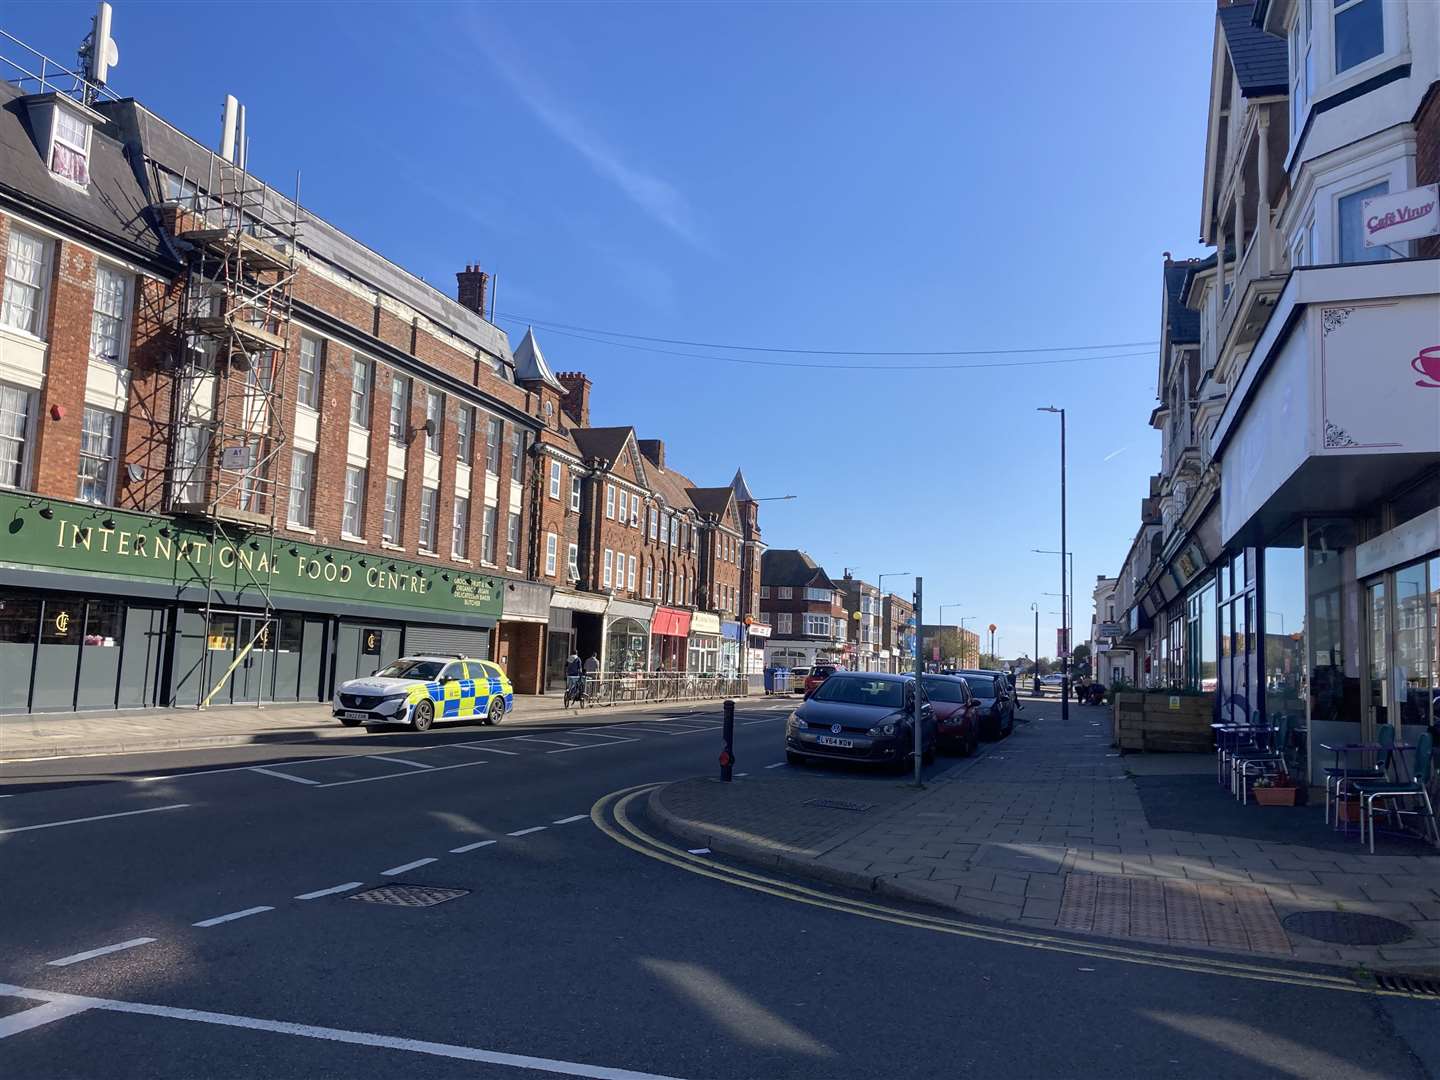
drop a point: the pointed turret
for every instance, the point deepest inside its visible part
(741, 489)
(530, 365)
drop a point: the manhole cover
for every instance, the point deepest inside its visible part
(839, 804)
(409, 895)
(1347, 927)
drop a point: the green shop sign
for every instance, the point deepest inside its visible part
(98, 540)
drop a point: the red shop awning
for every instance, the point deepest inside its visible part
(671, 623)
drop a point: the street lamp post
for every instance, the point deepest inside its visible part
(1069, 601)
(1035, 667)
(1065, 656)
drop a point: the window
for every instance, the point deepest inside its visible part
(107, 317)
(23, 307)
(572, 561)
(352, 523)
(782, 622)
(694, 541)
(464, 433)
(610, 501)
(1352, 226)
(512, 541)
(649, 584)
(674, 531)
(390, 527)
(435, 417)
(785, 592)
(253, 477)
(429, 511)
(312, 353)
(634, 511)
(764, 592)
(494, 433)
(624, 506)
(630, 574)
(191, 464)
(97, 456)
(606, 565)
(654, 522)
(488, 539)
(302, 488)
(70, 147)
(460, 529)
(1302, 68)
(518, 440)
(556, 471)
(550, 544)
(819, 625)
(1359, 32)
(824, 596)
(360, 394)
(399, 408)
(575, 493)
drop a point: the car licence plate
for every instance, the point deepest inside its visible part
(356, 715)
(830, 740)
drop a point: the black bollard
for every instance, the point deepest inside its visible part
(727, 749)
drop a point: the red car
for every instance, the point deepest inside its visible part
(957, 712)
(818, 674)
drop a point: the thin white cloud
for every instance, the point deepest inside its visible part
(1116, 453)
(654, 195)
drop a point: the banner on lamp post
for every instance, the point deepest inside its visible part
(1062, 642)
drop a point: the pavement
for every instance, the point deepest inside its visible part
(1052, 829)
(463, 903)
(132, 731)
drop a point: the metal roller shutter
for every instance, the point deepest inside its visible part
(446, 641)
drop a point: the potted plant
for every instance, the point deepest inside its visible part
(1275, 789)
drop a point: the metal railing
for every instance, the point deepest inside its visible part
(640, 687)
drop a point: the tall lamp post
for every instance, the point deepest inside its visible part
(1068, 603)
(1064, 656)
(1035, 667)
(880, 588)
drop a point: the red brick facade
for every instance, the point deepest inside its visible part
(1427, 156)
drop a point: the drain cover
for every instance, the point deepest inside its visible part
(1416, 985)
(1347, 927)
(399, 895)
(839, 804)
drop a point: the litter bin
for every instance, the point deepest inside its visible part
(777, 680)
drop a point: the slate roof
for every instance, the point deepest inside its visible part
(178, 153)
(1182, 323)
(602, 442)
(711, 500)
(742, 489)
(790, 566)
(1261, 61)
(530, 364)
(114, 206)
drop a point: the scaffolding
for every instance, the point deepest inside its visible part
(228, 424)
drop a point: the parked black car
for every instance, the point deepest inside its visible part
(997, 706)
(864, 717)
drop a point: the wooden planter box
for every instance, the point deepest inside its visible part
(1161, 722)
(1347, 811)
(1274, 796)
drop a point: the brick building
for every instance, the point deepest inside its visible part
(898, 633)
(804, 608)
(246, 457)
(863, 634)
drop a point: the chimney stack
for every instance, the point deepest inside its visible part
(576, 403)
(653, 449)
(474, 284)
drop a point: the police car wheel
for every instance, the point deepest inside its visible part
(423, 716)
(496, 712)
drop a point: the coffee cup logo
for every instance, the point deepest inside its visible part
(1427, 365)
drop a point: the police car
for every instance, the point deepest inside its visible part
(418, 690)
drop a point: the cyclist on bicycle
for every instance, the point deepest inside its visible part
(574, 674)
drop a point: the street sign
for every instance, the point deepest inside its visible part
(235, 458)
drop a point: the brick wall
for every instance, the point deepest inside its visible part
(1427, 155)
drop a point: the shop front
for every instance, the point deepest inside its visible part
(704, 643)
(627, 636)
(105, 609)
(732, 644)
(521, 634)
(669, 635)
(575, 626)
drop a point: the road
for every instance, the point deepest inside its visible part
(223, 884)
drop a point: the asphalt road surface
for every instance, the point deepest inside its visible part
(195, 914)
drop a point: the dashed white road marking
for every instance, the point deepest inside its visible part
(218, 919)
(284, 775)
(699, 851)
(470, 847)
(394, 776)
(527, 832)
(38, 1016)
(406, 866)
(97, 817)
(615, 740)
(400, 761)
(90, 954)
(481, 746)
(552, 742)
(79, 1004)
(330, 891)
(780, 764)
(572, 817)
(740, 774)
(770, 719)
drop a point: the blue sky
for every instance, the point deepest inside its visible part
(847, 177)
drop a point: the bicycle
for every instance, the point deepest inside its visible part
(575, 691)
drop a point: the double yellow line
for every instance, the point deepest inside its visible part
(612, 814)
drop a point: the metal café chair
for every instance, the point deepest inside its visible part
(1260, 762)
(1397, 791)
(1337, 776)
(1230, 739)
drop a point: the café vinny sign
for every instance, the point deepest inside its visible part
(97, 540)
(1405, 215)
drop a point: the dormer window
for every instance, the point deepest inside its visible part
(70, 146)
